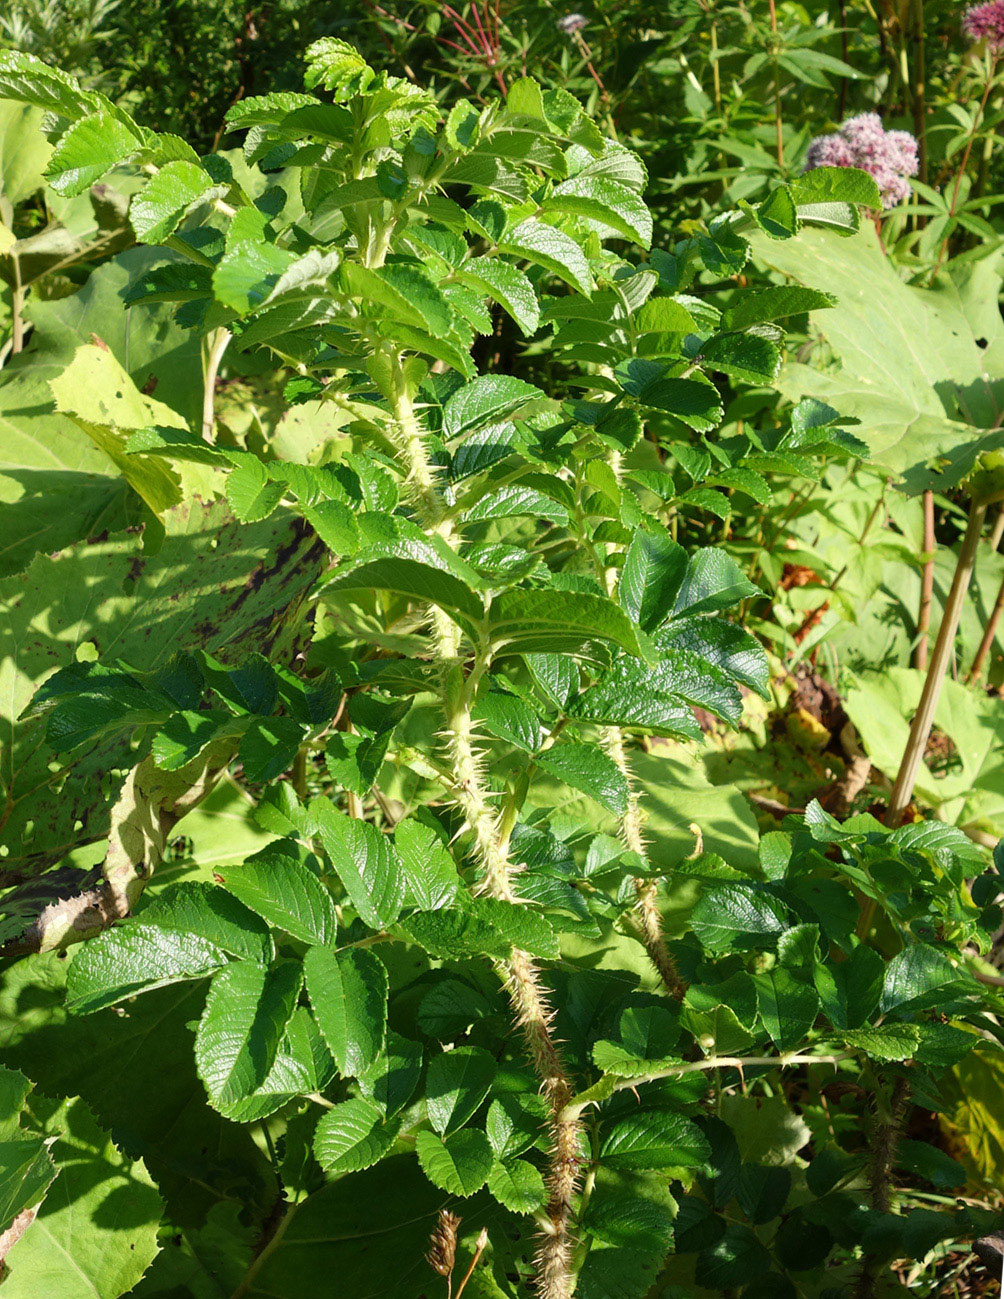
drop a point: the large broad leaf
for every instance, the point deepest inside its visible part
(971, 791)
(335, 1233)
(116, 1063)
(923, 369)
(57, 485)
(97, 1235)
(26, 1167)
(95, 390)
(24, 151)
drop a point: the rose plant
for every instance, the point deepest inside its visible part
(440, 989)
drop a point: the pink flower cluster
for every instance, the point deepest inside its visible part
(862, 141)
(985, 22)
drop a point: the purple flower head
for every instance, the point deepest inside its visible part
(570, 23)
(862, 141)
(985, 22)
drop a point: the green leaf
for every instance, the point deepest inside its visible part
(664, 315)
(635, 696)
(352, 1136)
(456, 1083)
(487, 400)
(736, 1258)
(366, 863)
(722, 645)
(654, 1139)
(190, 931)
(284, 892)
(653, 572)
(517, 499)
(25, 77)
(100, 397)
(778, 302)
(511, 719)
(158, 208)
(87, 150)
(240, 1031)
(460, 1165)
(739, 916)
(26, 1173)
(414, 569)
(450, 1008)
(837, 185)
(921, 976)
(587, 768)
(788, 1007)
(552, 249)
(514, 1123)
(506, 285)
(534, 622)
(407, 291)
(245, 277)
(391, 1079)
(742, 356)
(430, 872)
(293, 1073)
(605, 200)
(930, 1163)
(884, 1042)
(517, 1185)
(482, 927)
(348, 993)
(713, 581)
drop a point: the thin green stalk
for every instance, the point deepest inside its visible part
(920, 730)
(214, 357)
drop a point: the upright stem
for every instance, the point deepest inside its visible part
(926, 585)
(217, 348)
(884, 1136)
(527, 994)
(920, 730)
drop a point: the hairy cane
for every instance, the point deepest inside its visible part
(531, 1009)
